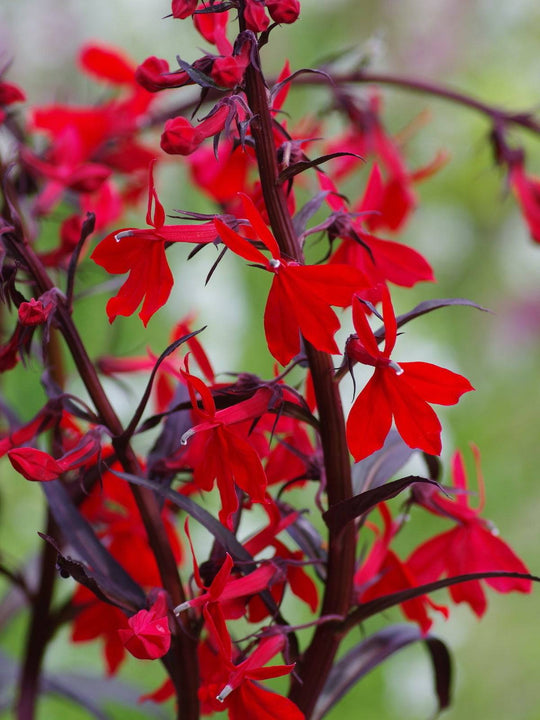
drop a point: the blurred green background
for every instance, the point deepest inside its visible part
(468, 227)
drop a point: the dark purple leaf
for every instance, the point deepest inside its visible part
(428, 306)
(87, 229)
(370, 653)
(302, 165)
(373, 607)
(343, 512)
(307, 211)
(381, 465)
(308, 539)
(109, 575)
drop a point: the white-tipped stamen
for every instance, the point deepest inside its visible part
(180, 608)
(124, 234)
(274, 263)
(227, 690)
(185, 437)
(398, 370)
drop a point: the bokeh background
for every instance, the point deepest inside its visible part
(467, 225)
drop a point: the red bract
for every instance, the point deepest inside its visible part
(300, 297)
(472, 546)
(141, 252)
(148, 636)
(527, 190)
(401, 392)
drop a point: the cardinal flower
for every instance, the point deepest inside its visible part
(221, 454)
(383, 573)
(141, 252)
(402, 392)
(472, 546)
(300, 296)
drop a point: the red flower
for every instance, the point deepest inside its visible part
(231, 592)
(383, 573)
(148, 636)
(142, 254)
(221, 454)
(239, 691)
(472, 546)
(300, 297)
(396, 391)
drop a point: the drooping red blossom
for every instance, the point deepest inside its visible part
(383, 573)
(401, 391)
(141, 252)
(148, 636)
(300, 296)
(239, 690)
(232, 592)
(472, 546)
(527, 191)
(39, 466)
(380, 260)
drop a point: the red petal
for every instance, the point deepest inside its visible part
(238, 244)
(434, 384)
(415, 421)
(369, 420)
(107, 63)
(280, 324)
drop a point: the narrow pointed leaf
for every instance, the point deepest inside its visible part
(370, 653)
(107, 572)
(343, 512)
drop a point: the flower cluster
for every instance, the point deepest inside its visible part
(228, 454)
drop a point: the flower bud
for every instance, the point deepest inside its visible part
(283, 11)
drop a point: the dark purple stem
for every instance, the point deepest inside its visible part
(315, 664)
(498, 115)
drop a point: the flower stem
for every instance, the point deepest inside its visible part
(313, 668)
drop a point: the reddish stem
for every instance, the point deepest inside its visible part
(315, 664)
